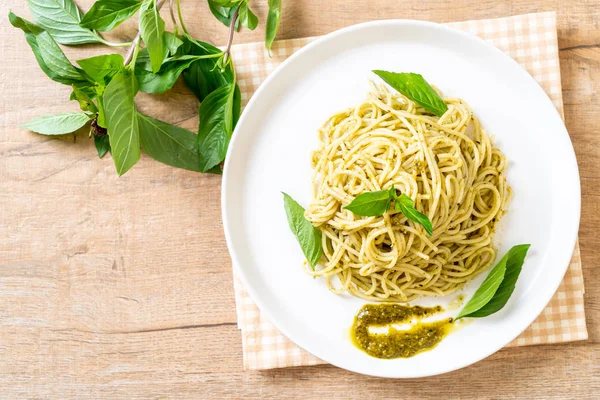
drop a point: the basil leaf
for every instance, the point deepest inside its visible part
(204, 76)
(161, 81)
(416, 88)
(370, 204)
(48, 54)
(272, 23)
(106, 15)
(85, 100)
(498, 286)
(166, 77)
(374, 204)
(172, 44)
(223, 14)
(218, 114)
(58, 124)
(101, 119)
(406, 205)
(247, 17)
(152, 29)
(102, 68)
(227, 3)
(169, 144)
(122, 121)
(220, 103)
(236, 106)
(24, 25)
(87, 87)
(61, 18)
(308, 236)
(55, 59)
(102, 144)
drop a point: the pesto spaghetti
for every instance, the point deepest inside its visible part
(446, 164)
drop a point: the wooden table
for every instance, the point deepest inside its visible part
(122, 287)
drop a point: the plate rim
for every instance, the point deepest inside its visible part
(236, 262)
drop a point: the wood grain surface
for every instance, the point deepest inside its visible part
(122, 287)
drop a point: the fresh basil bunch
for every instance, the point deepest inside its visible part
(105, 86)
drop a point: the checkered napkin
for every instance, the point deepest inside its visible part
(529, 39)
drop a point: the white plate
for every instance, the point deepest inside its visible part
(270, 153)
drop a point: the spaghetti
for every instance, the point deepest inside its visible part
(448, 165)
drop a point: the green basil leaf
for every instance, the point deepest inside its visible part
(236, 107)
(61, 18)
(85, 100)
(87, 87)
(166, 77)
(227, 3)
(223, 14)
(416, 88)
(161, 81)
(177, 58)
(106, 15)
(204, 76)
(121, 120)
(58, 124)
(48, 54)
(102, 144)
(102, 68)
(169, 144)
(152, 29)
(272, 23)
(247, 17)
(406, 205)
(217, 120)
(370, 204)
(172, 44)
(374, 204)
(308, 236)
(56, 60)
(24, 25)
(101, 115)
(498, 286)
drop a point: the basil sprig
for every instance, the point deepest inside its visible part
(105, 86)
(498, 286)
(374, 204)
(308, 236)
(416, 88)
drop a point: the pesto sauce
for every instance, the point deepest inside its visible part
(396, 343)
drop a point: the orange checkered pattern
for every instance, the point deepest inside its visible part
(531, 40)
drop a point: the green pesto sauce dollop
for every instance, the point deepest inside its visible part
(396, 343)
